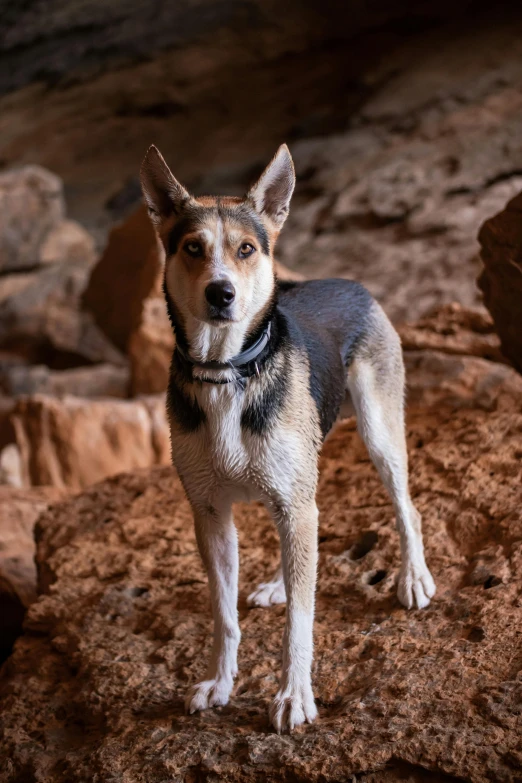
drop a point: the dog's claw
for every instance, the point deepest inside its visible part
(268, 594)
(292, 707)
(415, 586)
(209, 693)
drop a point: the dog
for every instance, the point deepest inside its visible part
(258, 375)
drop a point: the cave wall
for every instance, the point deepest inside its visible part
(86, 87)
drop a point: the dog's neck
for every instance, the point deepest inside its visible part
(204, 342)
(214, 343)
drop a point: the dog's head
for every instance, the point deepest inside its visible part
(219, 251)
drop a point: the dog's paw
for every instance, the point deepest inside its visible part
(209, 693)
(415, 586)
(268, 594)
(291, 707)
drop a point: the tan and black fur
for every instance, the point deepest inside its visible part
(254, 430)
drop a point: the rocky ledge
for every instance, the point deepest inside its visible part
(95, 687)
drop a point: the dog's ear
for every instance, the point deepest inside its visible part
(162, 192)
(272, 192)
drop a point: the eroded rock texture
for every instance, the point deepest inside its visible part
(501, 279)
(405, 124)
(45, 264)
(19, 510)
(95, 687)
(73, 442)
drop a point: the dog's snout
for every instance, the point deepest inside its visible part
(221, 293)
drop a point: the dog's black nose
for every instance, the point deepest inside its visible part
(220, 294)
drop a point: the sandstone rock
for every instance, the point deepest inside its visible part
(117, 100)
(74, 442)
(440, 377)
(7, 405)
(99, 380)
(150, 348)
(452, 356)
(11, 468)
(400, 156)
(124, 277)
(501, 278)
(123, 627)
(67, 241)
(453, 329)
(19, 510)
(31, 205)
(41, 317)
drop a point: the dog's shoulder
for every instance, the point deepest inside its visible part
(334, 311)
(327, 320)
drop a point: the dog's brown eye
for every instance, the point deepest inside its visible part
(194, 249)
(246, 250)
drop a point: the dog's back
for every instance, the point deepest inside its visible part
(329, 319)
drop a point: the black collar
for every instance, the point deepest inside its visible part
(246, 362)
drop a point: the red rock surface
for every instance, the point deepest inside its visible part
(95, 687)
(501, 279)
(124, 277)
(73, 442)
(19, 510)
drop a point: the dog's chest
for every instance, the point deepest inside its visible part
(223, 458)
(230, 453)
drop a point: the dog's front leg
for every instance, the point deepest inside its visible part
(294, 703)
(217, 541)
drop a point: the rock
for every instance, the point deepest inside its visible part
(453, 329)
(74, 442)
(31, 206)
(400, 156)
(150, 348)
(41, 318)
(112, 64)
(7, 405)
(45, 261)
(124, 294)
(123, 626)
(99, 380)
(124, 277)
(67, 241)
(11, 469)
(440, 377)
(452, 357)
(19, 510)
(501, 278)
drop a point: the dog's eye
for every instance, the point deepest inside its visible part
(246, 250)
(194, 249)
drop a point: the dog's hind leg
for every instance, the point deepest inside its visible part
(217, 541)
(269, 593)
(376, 384)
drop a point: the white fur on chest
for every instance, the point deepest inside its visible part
(226, 445)
(224, 460)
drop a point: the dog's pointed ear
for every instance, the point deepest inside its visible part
(272, 192)
(162, 192)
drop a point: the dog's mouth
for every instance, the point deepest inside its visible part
(220, 315)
